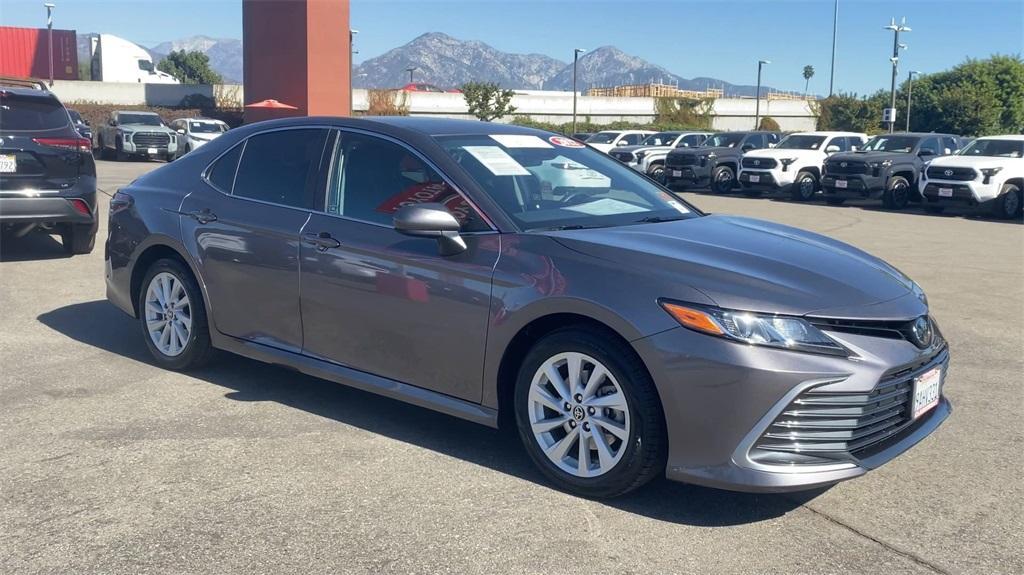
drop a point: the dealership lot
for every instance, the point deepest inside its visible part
(113, 465)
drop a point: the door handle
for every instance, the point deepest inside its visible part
(323, 241)
(203, 216)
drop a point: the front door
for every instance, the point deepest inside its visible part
(388, 304)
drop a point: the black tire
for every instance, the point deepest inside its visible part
(119, 153)
(105, 152)
(897, 193)
(723, 178)
(933, 209)
(657, 173)
(198, 350)
(1009, 203)
(78, 239)
(646, 446)
(804, 186)
(834, 201)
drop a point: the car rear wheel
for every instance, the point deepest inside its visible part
(722, 180)
(78, 239)
(897, 193)
(588, 414)
(173, 317)
(1008, 205)
(804, 187)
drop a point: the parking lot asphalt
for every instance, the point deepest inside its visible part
(111, 465)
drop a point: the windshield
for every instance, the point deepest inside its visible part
(557, 183)
(206, 127)
(603, 138)
(661, 139)
(144, 119)
(31, 112)
(995, 148)
(900, 144)
(799, 142)
(723, 141)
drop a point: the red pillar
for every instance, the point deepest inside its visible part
(296, 52)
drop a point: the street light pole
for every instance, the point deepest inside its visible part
(910, 90)
(896, 29)
(835, 30)
(757, 99)
(410, 70)
(575, 59)
(49, 35)
(351, 71)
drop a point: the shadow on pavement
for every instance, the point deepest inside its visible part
(33, 246)
(499, 450)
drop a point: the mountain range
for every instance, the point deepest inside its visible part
(449, 63)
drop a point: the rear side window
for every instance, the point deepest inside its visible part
(31, 113)
(281, 167)
(222, 174)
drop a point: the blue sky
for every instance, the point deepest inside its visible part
(722, 39)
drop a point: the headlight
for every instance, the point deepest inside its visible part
(778, 331)
(786, 162)
(640, 155)
(989, 172)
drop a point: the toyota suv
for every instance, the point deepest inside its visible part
(988, 173)
(649, 157)
(886, 167)
(47, 173)
(794, 166)
(136, 134)
(716, 162)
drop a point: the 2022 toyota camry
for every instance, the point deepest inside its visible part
(499, 273)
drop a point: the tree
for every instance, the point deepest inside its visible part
(487, 101)
(388, 103)
(769, 124)
(189, 67)
(808, 74)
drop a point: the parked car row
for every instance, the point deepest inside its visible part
(143, 134)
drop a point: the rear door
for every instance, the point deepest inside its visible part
(39, 147)
(243, 228)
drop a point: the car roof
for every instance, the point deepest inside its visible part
(827, 133)
(140, 112)
(918, 134)
(29, 92)
(419, 125)
(1011, 137)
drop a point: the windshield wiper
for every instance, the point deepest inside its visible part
(570, 227)
(656, 220)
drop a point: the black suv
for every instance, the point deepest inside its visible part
(47, 172)
(716, 162)
(886, 167)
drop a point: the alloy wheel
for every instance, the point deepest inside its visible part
(578, 414)
(168, 314)
(807, 188)
(1011, 203)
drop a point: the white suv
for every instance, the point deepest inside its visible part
(795, 164)
(649, 156)
(608, 140)
(988, 172)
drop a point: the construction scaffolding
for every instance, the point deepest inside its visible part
(653, 90)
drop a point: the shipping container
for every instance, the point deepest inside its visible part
(24, 52)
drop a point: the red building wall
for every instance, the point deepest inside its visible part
(24, 53)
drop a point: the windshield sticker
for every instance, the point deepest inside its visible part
(564, 142)
(519, 141)
(497, 161)
(606, 207)
(668, 199)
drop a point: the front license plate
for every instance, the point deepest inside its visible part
(151, 151)
(841, 184)
(946, 192)
(677, 173)
(755, 179)
(8, 164)
(926, 391)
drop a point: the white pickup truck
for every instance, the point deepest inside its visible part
(795, 164)
(989, 173)
(649, 156)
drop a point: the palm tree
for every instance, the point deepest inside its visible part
(808, 73)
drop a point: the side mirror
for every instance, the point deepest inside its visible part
(747, 147)
(926, 152)
(112, 122)
(86, 122)
(832, 149)
(431, 221)
(622, 143)
(181, 131)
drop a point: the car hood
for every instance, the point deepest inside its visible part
(145, 128)
(777, 154)
(974, 161)
(754, 265)
(718, 151)
(642, 148)
(203, 137)
(870, 157)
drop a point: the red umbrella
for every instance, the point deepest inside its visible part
(271, 104)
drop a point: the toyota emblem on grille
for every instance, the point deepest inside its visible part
(948, 172)
(757, 162)
(921, 332)
(842, 164)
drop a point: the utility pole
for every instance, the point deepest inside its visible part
(351, 71)
(410, 70)
(910, 90)
(757, 105)
(896, 29)
(835, 30)
(49, 34)
(575, 59)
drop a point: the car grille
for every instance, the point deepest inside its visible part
(838, 425)
(624, 157)
(681, 160)
(151, 139)
(759, 163)
(846, 167)
(958, 174)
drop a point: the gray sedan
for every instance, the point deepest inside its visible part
(507, 275)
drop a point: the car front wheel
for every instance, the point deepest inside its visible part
(589, 415)
(897, 193)
(722, 180)
(173, 317)
(805, 186)
(1008, 205)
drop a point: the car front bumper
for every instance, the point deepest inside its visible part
(720, 397)
(693, 175)
(768, 180)
(970, 193)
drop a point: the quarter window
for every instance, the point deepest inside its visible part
(282, 167)
(372, 178)
(222, 174)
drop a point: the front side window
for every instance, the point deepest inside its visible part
(995, 148)
(660, 139)
(723, 141)
(950, 145)
(691, 141)
(803, 142)
(545, 186)
(931, 144)
(632, 139)
(887, 143)
(281, 167)
(754, 140)
(603, 138)
(372, 178)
